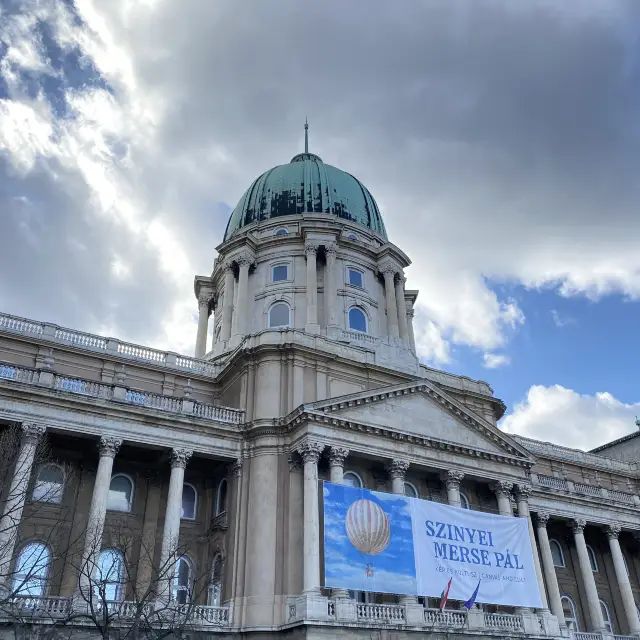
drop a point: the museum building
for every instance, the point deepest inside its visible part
(193, 481)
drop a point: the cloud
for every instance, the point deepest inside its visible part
(556, 414)
(561, 320)
(495, 360)
(493, 134)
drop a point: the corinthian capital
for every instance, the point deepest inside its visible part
(311, 249)
(613, 531)
(337, 456)
(502, 488)
(542, 518)
(180, 457)
(453, 478)
(310, 451)
(108, 447)
(330, 249)
(204, 299)
(523, 491)
(578, 525)
(32, 432)
(244, 260)
(397, 468)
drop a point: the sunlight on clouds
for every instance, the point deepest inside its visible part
(495, 360)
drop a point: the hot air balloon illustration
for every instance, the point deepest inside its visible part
(368, 527)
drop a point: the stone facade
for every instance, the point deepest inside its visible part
(220, 456)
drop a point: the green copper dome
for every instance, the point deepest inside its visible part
(306, 185)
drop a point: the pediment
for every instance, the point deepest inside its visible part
(423, 410)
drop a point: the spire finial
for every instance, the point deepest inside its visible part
(306, 136)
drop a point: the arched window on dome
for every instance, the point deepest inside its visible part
(556, 553)
(282, 231)
(570, 615)
(279, 315)
(352, 479)
(49, 484)
(280, 272)
(357, 320)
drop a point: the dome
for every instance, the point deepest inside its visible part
(306, 185)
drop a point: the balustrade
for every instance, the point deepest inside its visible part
(380, 613)
(444, 618)
(552, 482)
(588, 489)
(358, 336)
(505, 621)
(50, 606)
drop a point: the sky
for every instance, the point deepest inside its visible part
(500, 139)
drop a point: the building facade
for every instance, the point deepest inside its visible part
(193, 481)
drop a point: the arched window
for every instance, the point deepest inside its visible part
(556, 553)
(49, 484)
(279, 272)
(592, 559)
(410, 491)
(606, 616)
(221, 497)
(357, 320)
(464, 501)
(215, 590)
(352, 479)
(569, 610)
(189, 502)
(279, 315)
(281, 232)
(181, 584)
(110, 575)
(31, 570)
(120, 493)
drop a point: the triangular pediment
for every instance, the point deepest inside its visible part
(423, 410)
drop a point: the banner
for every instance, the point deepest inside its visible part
(390, 543)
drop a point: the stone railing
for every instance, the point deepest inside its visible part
(587, 489)
(595, 491)
(582, 635)
(552, 482)
(53, 607)
(577, 456)
(444, 618)
(358, 336)
(504, 621)
(111, 346)
(387, 613)
(114, 393)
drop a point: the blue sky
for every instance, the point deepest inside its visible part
(500, 140)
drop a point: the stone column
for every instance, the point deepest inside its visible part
(549, 569)
(311, 251)
(390, 296)
(337, 456)
(402, 310)
(203, 324)
(242, 312)
(397, 470)
(108, 447)
(452, 480)
(523, 491)
(412, 339)
(310, 452)
(330, 288)
(502, 489)
(171, 532)
(628, 601)
(14, 503)
(593, 602)
(227, 309)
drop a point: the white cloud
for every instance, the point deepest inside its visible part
(556, 414)
(495, 360)
(561, 320)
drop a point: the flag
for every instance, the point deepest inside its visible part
(444, 596)
(472, 600)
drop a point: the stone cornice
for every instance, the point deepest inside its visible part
(433, 391)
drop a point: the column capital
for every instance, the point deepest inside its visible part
(244, 260)
(523, 490)
(32, 432)
(613, 531)
(204, 299)
(337, 456)
(227, 267)
(235, 468)
(331, 249)
(411, 313)
(310, 451)
(310, 248)
(388, 271)
(295, 462)
(180, 457)
(452, 478)
(502, 488)
(542, 518)
(397, 468)
(578, 525)
(108, 447)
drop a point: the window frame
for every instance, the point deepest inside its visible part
(62, 486)
(573, 619)
(356, 475)
(214, 600)
(349, 269)
(119, 585)
(593, 561)
(195, 502)
(20, 582)
(274, 266)
(133, 492)
(608, 621)
(270, 309)
(281, 231)
(175, 587)
(464, 501)
(364, 315)
(416, 493)
(553, 541)
(218, 510)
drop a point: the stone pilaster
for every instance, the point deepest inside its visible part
(330, 288)
(542, 518)
(311, 251)
(244, 263)
(622, 578)
(204, 300)
(412, 339)
(227, 309)
(389, 273)
(403, 329)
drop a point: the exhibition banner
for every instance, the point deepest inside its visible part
(389, 543)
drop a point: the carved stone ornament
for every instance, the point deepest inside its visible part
(578, 525)
(227, 267)
(244, 260)
(542, 518)
(502, 488)
(235, 468)
(453, 478)
(411, 313)
(388, 271)
(311, 249)
(330, 249)
(180, 457)
(108, 447)
(397, 468)
(613, 531)
(310, 451)
(204, 299)
(337, 456)
(295, 462)
(524, 491)
(32, 432)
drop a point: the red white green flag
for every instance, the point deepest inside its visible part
(444, 596)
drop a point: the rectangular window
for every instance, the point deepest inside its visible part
(280, 272)
(355, 278)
